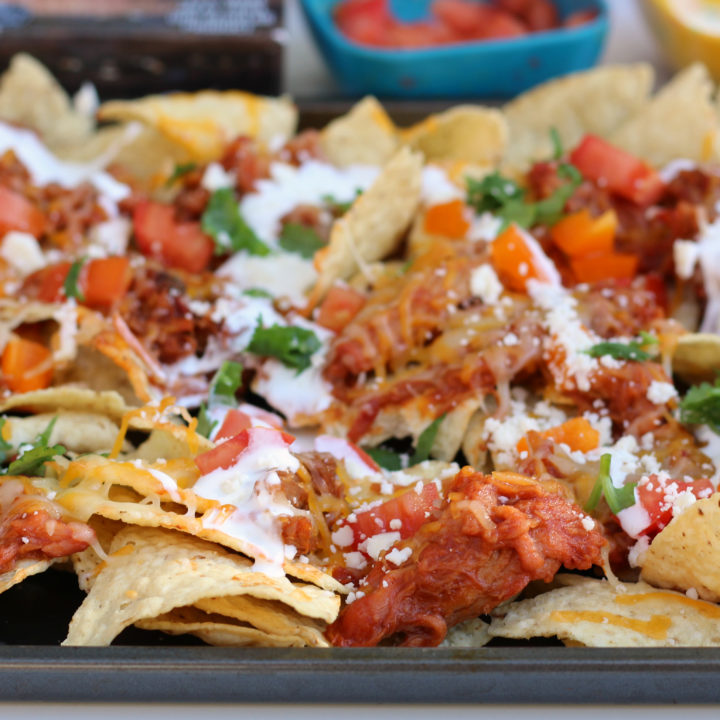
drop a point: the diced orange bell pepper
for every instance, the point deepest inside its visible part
(105, 280)
(448, 219)
(577, 434)
(581, 234)
(612, 266)
(26, 365)
(517, 258)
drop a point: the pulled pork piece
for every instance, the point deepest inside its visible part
(493, 535)
(31, 526)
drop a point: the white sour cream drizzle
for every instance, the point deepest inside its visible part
(252, 486)
(45, 168)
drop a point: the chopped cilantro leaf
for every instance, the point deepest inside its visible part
(617, 498)
(620, 351)
(385, 458)
(297, 238)
(293, 346)
(224, 223)
(551, 209)
(558, 150)
(180, 170)
(257, 292)
(225, 383)
(701, 405)
(340, 206)
(71, 286)
(493, 192)
(6, 449)
(425, 441)
(36, 455)
(205, 425)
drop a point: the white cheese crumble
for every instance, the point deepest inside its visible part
(22, 252)
(484, 283)
(377, 544)
(343, 537)
(661, 392)
(216, 177)
(397, 556)
(436, 187)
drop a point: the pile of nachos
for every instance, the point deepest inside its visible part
(450, 383)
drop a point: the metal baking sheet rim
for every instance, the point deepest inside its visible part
(376, 675)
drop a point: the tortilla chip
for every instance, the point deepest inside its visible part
(151, 572)
(474, 444)
(87, 563)
(203, 123)
(30, 96)
(374, 225)
(594, 613)
(364, 136)
(216, 629)
(453, 429)
(79, 432)
(131, 494)
(108, 403)
(679, 122)
(597, 101)
(24, 569)
(468, 133)
(697, 357)
(686, 553)
(471, 633)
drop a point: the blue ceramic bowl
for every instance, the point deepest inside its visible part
(495, 68)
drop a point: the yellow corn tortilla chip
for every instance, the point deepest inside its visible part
(79, 432)
(697, 357)
(686, 553)
(597, 614)
(471, 633)
(374, 225)
(363, 136)
(24, 569)
(108, 403)
(151, 572)
(218, 630)
(87, 563)
(678, 122)
(597, 101)
(128, 493)
(204, 122)
(30, 96)
(469, 133)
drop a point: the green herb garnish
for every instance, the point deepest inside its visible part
(340, 206)
(297, 238)
(617, 498)
(385, 458)
(556, 141)
(224, 223)
(225, 383)
(293, 346)
(493, 193)
(701, 405)
(257, 293)
(425, 441)
(71, 285)
(30, 462)
(624, 351)
(205, 425)
(179, 171)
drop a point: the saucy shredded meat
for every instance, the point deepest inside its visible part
(493, 535)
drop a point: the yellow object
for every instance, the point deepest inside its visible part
(687, 30)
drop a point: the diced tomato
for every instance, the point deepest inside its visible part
(610, 266)
(104, 281)
(576, 433)
(234, 423)
(364, 21)
(462, 17)
(581, 234)
(176, 244)
(448, 219)
(26, 365)
(655, 496)
(518, 257)
(619, 171)
(18, 213)
(504, 25)
(227, 453)
(339, 307)
(411, 509)
(46, 284)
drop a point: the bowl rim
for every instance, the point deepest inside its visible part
(322, 22)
